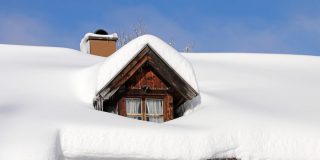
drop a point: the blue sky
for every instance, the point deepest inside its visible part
(271, 26)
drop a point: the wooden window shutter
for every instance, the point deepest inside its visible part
(122, 107)
(170, 107)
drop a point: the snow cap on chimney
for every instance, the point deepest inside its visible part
(99, 43)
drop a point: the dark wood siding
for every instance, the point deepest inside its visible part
(146, 84)
(122, 107)
(145, 77)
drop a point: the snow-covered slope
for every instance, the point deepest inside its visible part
(253, 106)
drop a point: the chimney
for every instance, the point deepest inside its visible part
(99, 43)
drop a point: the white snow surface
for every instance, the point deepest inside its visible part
(117, 61)
(253, 106)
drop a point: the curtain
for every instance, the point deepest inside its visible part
(155, 106)
(133, 106)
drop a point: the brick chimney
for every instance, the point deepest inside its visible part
(99, 43)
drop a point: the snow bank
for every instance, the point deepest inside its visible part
(117, 61)
(160, 142)
(253, 106)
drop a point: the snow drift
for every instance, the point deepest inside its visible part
(253, 106)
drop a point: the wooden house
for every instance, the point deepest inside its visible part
(146, 88)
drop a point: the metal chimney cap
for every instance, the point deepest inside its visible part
(101, 32)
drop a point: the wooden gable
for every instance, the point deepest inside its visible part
(145, 84)
(146, 75)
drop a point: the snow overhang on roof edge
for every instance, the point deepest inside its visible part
(117, 61)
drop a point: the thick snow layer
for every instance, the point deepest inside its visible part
(84, 44)
(117, 61)
(253, 106)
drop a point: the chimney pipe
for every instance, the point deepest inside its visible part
(99, 43)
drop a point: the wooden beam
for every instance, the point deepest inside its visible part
(168, 74)
(126, 72)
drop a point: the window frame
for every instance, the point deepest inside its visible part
(135, 115)
(144, 115)
(147, 115)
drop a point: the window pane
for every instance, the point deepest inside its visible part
(133, 105)
(154, 109)
(154, 106)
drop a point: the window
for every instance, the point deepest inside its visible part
(133, 108)
(147, 109)
(154, 110)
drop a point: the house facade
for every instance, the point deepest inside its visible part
(145, 88)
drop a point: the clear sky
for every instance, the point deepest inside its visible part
(273, 26)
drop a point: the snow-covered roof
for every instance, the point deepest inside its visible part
(117, 61)
(253, 106)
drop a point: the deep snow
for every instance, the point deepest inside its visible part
(253, 106)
